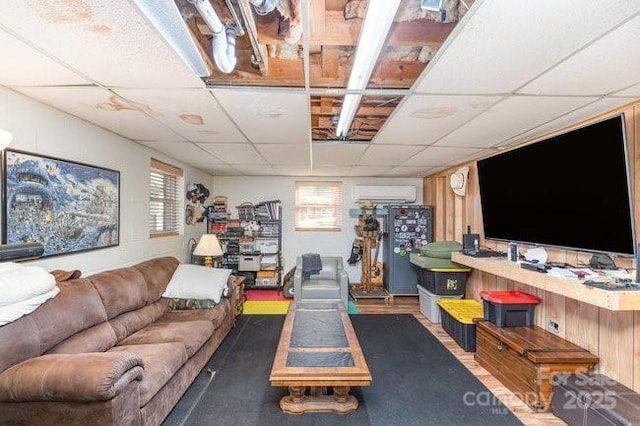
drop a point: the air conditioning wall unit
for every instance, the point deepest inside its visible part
(385, 193)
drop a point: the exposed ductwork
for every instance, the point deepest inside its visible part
(224, 38)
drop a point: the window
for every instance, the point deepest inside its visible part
(165, 209)
(318, 206)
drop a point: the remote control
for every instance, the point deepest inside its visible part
(538, 267)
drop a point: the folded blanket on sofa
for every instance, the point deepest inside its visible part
(20, 283)
(14, 311)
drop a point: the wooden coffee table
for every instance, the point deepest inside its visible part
(318, 349)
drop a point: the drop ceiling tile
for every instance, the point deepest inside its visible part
(234, 153)
(417, 171)
(332, 171)
(184, 151)
(218, 169)
(291, 170)
(105, 109)
(434, 156)
(192, 113)
(631, 91)
(511, 117)
(29, 67)
(118, 46)
(268, 116)
(387, 155)
(526, 39)
(369, 171)
(254, 170)
(577, 116)
(422, 120)
(285, 154)
(609, 64)
(336, 154)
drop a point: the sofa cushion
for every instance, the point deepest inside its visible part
(157, 273)
(98, 338)
(128, 323)
(122, 290)
(192, 334)
(214, 315)
(76, 307)
(161, 361)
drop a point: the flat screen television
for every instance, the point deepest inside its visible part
(570, 191)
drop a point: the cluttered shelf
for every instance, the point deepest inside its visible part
(572, 288)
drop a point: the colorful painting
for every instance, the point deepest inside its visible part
(67, 206)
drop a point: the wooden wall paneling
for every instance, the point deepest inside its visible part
(636, 352)
(450, 211)
(553, 308)
(581, 324)
(439, 210)
(458, 218)
(615, 346)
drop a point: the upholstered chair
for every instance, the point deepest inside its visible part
(330, 284)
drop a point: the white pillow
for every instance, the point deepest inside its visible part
(197, 282)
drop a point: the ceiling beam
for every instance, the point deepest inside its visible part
(341, 32)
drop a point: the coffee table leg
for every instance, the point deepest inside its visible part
(341, 394)
(296, 393)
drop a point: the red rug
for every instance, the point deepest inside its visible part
(264, 295)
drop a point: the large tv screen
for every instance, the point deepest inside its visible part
(570, 191)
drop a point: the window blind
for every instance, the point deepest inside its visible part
(165, 202)
(318, 206)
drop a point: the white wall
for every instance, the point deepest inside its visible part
(40, 129)
(294, 243)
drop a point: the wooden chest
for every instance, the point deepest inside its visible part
(525, 359)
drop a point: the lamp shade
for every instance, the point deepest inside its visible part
(208, 246)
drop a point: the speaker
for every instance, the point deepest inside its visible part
(470, 243)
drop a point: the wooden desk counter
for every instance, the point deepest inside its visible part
(614, 300)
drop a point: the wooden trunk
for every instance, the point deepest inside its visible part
(525, 360)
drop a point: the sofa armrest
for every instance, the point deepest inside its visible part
(96, 376)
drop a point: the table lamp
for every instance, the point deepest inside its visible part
(208, 247)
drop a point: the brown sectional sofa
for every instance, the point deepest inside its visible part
(107, 350)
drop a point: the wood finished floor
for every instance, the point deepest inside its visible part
(411, 305)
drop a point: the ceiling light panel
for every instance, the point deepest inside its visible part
(519, 50)
(422, 120)
(194, 114)
(268, 116)
(513, 116)
(105, 109)
(118, 46)
(596, 69)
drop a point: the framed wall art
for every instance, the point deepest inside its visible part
(67, 206)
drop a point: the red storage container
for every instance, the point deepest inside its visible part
(509, 308)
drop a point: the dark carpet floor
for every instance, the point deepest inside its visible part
(416, 381)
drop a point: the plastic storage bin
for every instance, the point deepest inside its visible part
(249, 262)
(444, 282)
(457, 320)
(429, 304)
(509, 308)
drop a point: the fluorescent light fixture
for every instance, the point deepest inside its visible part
(380, 14)
(165, 16)
(5, 139)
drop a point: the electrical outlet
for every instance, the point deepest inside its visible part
(554, 326)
